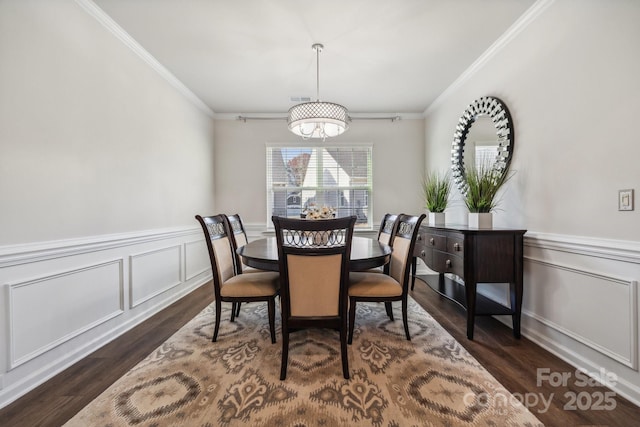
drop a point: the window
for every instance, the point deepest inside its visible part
(337, 177)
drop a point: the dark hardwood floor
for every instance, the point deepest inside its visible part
(512, 362)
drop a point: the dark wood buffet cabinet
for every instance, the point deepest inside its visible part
(475, 256)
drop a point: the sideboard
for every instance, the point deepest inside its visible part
(461, 257)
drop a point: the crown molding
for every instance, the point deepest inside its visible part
(92, 9)
(516, 28)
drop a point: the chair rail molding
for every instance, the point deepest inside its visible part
(619, 250)
(13, 255)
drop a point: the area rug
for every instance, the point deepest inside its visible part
(190, 381)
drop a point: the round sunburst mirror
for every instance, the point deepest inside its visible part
(483, 136)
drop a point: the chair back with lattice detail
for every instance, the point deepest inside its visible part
(386, 228)
(403, 240)
(219, 244)
(314, 265)
(238, 238)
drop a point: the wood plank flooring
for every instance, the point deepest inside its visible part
(512, 362)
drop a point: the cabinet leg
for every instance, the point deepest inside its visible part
(516, 306)
(470, 290)
(516, 325)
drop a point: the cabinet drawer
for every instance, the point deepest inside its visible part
(444, 262)
(455, 245)
(434, 241)
(424, 253)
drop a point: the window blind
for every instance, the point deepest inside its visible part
(300, 178)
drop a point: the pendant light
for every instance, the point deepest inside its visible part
(318, 119)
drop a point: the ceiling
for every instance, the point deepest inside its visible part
(253, 56)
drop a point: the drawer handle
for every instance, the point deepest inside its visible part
(448, 263)
(419, 237)
(432, 241)
(423, 253)
(456, 246)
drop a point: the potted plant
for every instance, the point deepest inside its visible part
(483, 182)
(436, 187)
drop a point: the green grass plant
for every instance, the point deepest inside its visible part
(436, 187)
(483, 183)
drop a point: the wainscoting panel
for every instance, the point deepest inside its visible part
(196, 258)
(47, 311)
(581, 303)
(586, 306)
(62, 300)
(153, 273)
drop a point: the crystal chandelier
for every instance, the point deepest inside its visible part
(318, 119)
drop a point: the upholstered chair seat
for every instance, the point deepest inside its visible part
(260, 283)
(364, 284)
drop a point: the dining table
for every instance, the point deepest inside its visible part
(366, 253)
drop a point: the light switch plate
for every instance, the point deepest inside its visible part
(625, 200)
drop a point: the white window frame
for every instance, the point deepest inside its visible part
(306, 145)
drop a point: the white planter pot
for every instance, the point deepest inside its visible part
(436, 219)
(480, 220)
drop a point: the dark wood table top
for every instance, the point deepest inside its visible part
(366, 253)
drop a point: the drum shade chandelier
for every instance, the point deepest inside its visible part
(318, 119)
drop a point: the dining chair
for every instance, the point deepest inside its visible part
(384, 236)
(314, 274)
(232, 286)
(375, 287)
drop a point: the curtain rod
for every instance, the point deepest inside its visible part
(392, 118)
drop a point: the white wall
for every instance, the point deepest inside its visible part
(103, 166)
(240, 165)
(570, 81)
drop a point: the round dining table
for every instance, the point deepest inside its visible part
(366, 253)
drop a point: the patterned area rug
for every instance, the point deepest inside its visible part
(190, 381)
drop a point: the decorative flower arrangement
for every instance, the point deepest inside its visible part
(325, 212)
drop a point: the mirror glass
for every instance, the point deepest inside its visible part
(481, 146)
(483, 138)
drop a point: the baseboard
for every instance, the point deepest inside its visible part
(622, 387)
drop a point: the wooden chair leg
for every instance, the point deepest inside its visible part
(271, 305)
(352, 318)
(285, 354)
(217, 325)
(389, 308)
(404, 318)
(343, 350)
(233, 311)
